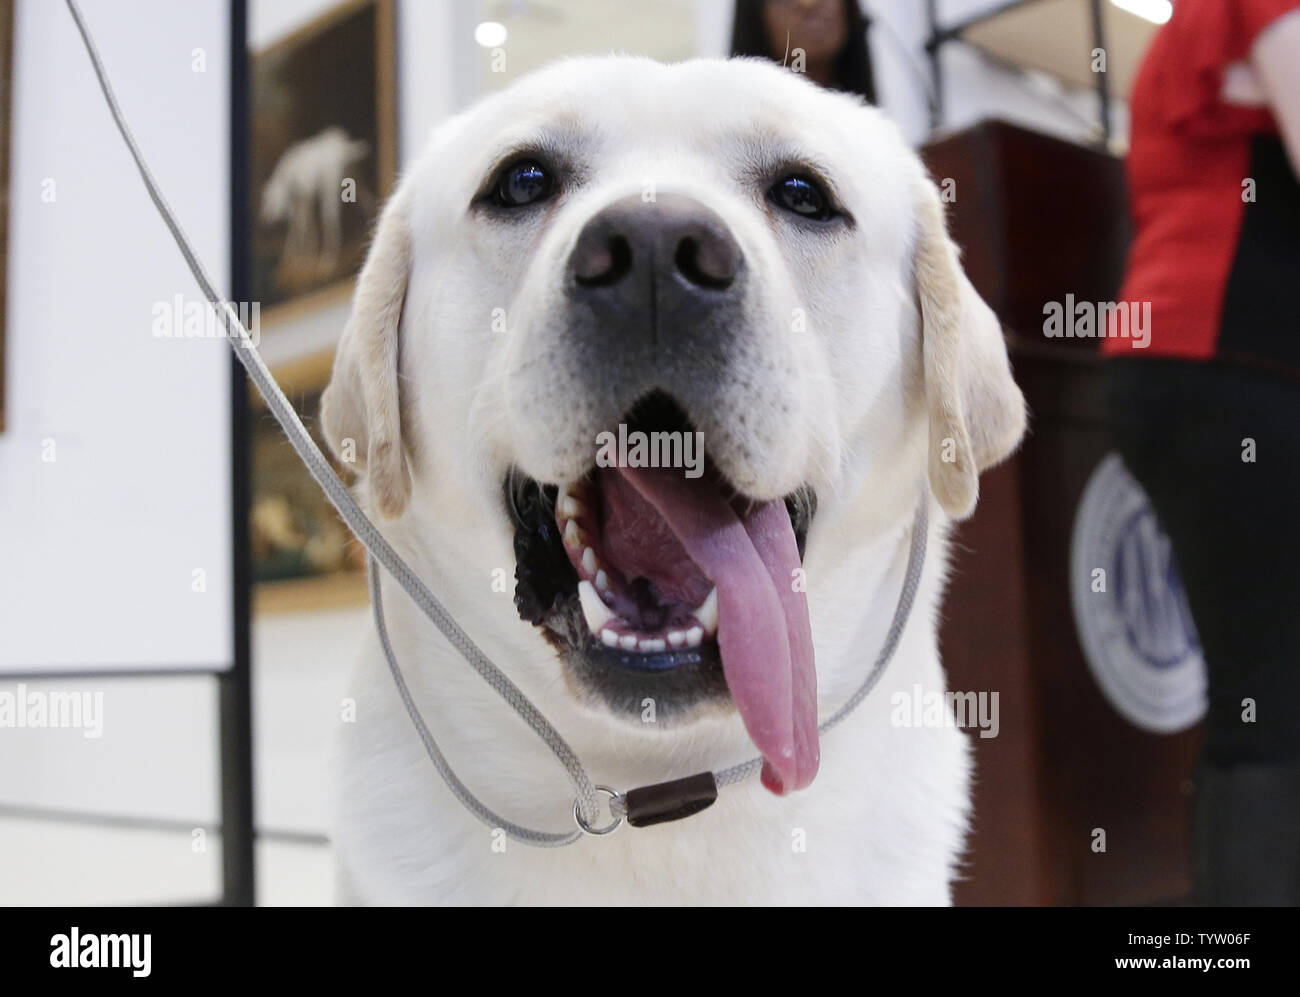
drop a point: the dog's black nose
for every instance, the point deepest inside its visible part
(657, 257)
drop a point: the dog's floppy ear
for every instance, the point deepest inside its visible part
(977, 414)
(361, 407)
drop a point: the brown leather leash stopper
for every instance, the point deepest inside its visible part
(667, 801)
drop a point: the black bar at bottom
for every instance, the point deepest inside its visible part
(235, 686)
(1237, 949)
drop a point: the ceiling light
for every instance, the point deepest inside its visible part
(1155, 11)
(491, 34)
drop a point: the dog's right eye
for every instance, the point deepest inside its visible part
(522, 183)
(802, 196)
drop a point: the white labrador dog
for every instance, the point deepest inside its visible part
(710, 247)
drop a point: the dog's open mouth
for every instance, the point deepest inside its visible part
(662, 586)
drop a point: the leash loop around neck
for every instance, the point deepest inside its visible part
(677, 798)
(639, 807)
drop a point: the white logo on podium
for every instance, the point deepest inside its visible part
(1137, 632)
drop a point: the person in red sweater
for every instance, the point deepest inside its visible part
(1207, 414)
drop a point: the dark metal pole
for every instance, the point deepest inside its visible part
(932, 45)
(1103, 85)
(235, 685)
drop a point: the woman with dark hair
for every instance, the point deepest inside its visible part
(831, 33)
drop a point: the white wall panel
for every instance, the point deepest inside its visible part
(99, 547)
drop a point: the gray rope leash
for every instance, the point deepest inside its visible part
(468, 800)
(382, 553)
(323, 473)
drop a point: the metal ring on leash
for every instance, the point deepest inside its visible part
(613, 794)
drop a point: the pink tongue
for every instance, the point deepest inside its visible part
(763, 630)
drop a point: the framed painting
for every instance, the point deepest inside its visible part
(323, 156)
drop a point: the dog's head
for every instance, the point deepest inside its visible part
(615, 265)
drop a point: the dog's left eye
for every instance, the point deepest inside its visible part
(802, 196)
(523, 183)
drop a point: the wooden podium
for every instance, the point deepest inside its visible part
(1038, 218)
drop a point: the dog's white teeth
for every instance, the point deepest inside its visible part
(707, 614)
(596, 612)
(589, 562)
(569, 507)
(573, 536)
(611, 629)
